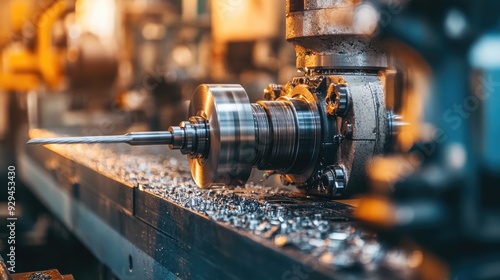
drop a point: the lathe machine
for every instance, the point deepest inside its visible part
(266, 192)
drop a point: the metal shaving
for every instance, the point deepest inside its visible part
(313, 227)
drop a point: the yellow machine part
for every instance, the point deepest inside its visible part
(20, 68)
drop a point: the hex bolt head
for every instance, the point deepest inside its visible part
(333, 179)
(337, 99)
(327, 179)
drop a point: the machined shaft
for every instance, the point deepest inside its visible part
(133, 138)
(191, 137)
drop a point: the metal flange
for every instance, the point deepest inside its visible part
(229, 158)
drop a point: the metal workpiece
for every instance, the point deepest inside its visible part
(293, 133)
(133, 138)
(313, 123)
(190, 137)
(231, 135)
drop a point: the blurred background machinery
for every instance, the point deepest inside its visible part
(442, 191)
(394, 100)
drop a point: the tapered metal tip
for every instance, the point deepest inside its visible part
(132, 138)
(76, 140)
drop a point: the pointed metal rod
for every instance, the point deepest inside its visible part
(133, 138)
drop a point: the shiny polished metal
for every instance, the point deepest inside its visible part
(317, 131)
(292, 135)
(231, 135)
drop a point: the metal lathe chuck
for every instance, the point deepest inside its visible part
(283, 135)
(316, 132)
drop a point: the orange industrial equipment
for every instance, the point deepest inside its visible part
(23, 68)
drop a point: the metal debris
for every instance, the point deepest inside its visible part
(270, 213)
(39, 276)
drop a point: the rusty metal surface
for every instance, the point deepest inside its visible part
(252, 224)
(4, 271)
(51, 274)
(325, 35)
